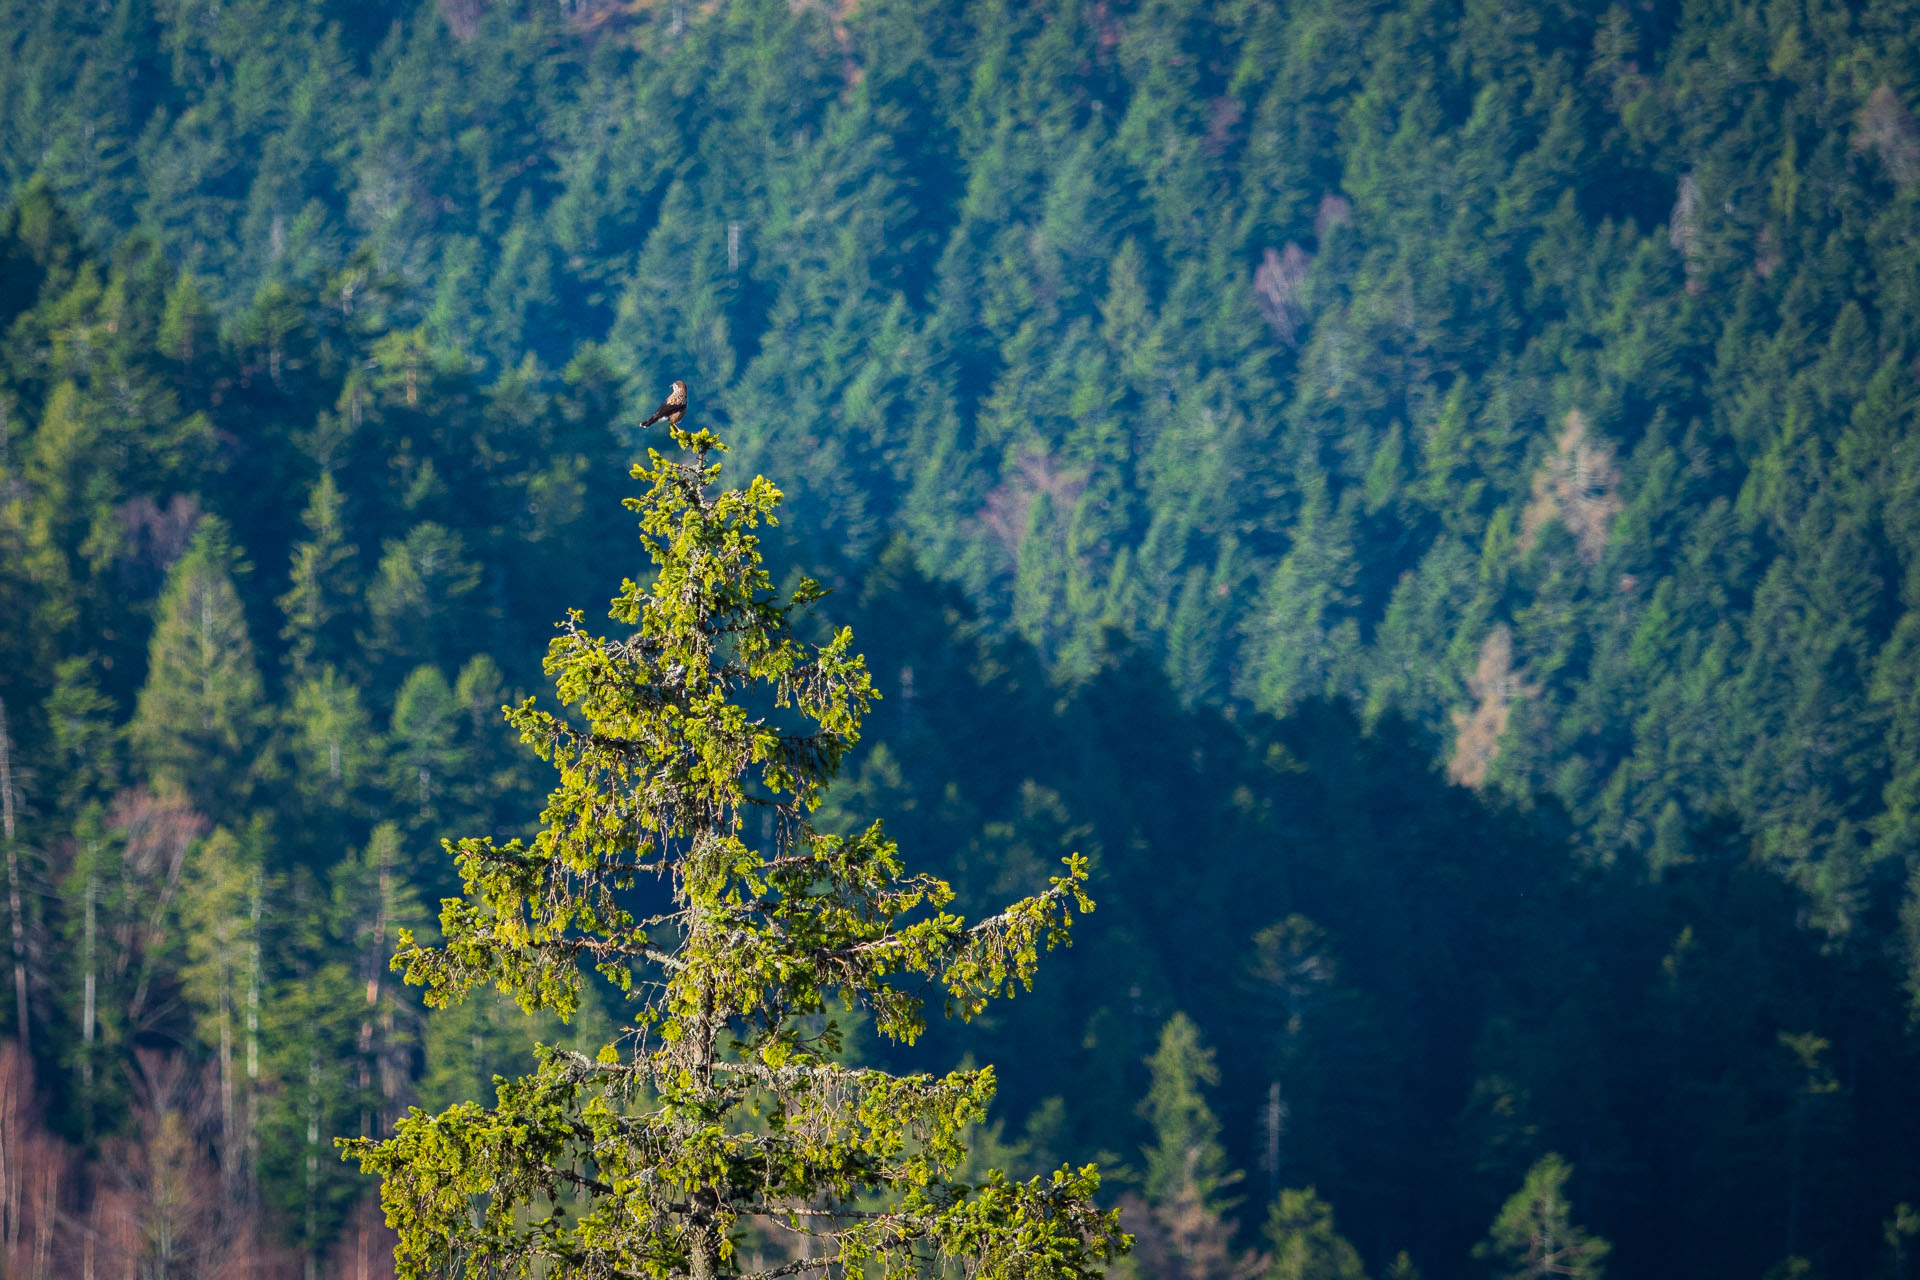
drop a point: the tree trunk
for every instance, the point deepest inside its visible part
(89, 984)
(23, 1030)
(704, 1259)
(228, 1131)
(251, 1186)
(383, 889)
(704, 1253)
(311, 1242)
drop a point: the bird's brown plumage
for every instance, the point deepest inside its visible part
(673, 408)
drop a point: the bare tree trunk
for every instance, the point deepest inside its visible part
(371, 1047)
(89, 995)
(229, 1155)
(253, 1038)
(15, 1079)
(1273, 1123)
(46, 1210)
(312, 1231)
(13, 886)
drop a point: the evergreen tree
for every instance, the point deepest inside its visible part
(728, 1106)
(199, 715)
(322, 585)
(497, 782)
(419, 606)
(374, 901)
(335, 750)
(83, 741)
(219, 914)
(314, 1009)
(1305, 1244)
(427, 767)
(1182, 1232)
(1186, 1160)
(1543, 382)
(1534, 1237)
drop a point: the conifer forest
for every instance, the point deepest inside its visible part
(1390, 526)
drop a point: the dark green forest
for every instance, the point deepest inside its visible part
(1425, 494)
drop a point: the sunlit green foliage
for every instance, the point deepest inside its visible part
(721, 1100)
(1535, 1236)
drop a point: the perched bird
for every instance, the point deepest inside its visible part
(673, 408)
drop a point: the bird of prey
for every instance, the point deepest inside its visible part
(673, 408)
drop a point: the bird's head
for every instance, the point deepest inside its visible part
(679, 388)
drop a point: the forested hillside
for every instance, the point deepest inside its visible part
(1423, 494)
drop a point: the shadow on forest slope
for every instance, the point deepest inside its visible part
(1440, 987)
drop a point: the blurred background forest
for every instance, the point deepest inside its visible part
(1426, 493)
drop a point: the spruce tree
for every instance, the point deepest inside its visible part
(1186, 1159)
(335, 750)
(1183, 1227)
(1535, 1236)
(321, 580)
(81, 735)
(199, 714)
(420, 603)
(427, 759)
(221, 935)
(1305, 1244)
(720, 1108)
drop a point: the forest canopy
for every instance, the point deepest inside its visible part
(1420, 494)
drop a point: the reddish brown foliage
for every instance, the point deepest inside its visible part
(154, 1206)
